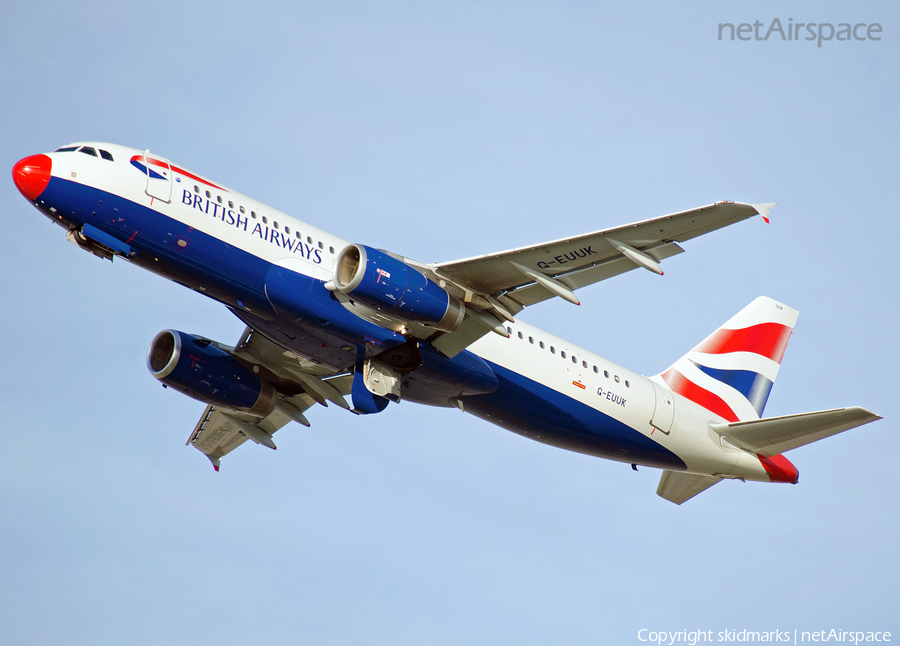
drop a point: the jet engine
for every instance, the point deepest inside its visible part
(200, 369)
(389, 285)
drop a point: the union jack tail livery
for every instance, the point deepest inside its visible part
(731, 372)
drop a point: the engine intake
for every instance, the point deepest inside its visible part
(393, 287)
(198, 368)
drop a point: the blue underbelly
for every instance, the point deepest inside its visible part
(533, 410)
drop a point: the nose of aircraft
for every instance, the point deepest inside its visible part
(32, 175)
(780, 469)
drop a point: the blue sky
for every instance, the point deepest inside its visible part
(442, 133)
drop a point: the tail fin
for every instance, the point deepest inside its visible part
(731, 372)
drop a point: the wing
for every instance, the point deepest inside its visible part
(499, 285)
(572, 263)
(300, 385)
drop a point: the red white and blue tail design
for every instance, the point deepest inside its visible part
(731, 372)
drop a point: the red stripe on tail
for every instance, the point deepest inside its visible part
(688, 389)
(768, 339)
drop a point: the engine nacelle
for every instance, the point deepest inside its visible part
(199, 369)
(392, 287)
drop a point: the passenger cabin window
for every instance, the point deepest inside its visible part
(299, 237)
(219, 199)
(531, 340)
(552, 350)
(606, 373)
(253, 214)
(287, 230)
(521, 336)
(541, 343)
(106, 155)
(563, 354)
(230, 204)
(265, 220)
(574, 359)
(627, 385)
(208, 195)
(242, 209)
(321, 245)
(596, 369)
(330, 249)
(196, 189)
(309, 239)
(87, 150)
(275, 224)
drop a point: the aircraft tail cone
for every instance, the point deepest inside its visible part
(780, 469)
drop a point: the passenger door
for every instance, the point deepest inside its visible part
(664, 410)
(159, 178)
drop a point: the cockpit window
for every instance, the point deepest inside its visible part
(66, 149)
(106, 155)
(87, 150)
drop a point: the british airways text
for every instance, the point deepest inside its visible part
(239, 220)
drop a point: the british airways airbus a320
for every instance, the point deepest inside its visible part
(327, 320)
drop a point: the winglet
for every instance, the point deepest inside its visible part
(763, 210)
(215, 461)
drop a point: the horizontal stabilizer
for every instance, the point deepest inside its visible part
(775, 435)
(680, 487)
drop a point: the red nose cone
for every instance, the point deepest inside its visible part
(32, 175)
(780, 469)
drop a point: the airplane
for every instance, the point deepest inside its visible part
(327, 319)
